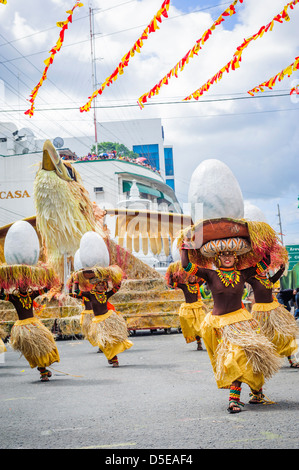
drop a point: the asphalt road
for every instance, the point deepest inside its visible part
(163, 396)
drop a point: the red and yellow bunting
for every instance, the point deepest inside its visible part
(151, 28)
(278, 77)
(190, 54)
(64, 26)
(295, 90)
(3, 1)
(237, 57)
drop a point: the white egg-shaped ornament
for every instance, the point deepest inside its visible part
(253, 213)
(175, 251)
(21, 244)
(93, 251)
(214, 192)
(77, 261)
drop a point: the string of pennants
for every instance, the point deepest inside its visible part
(49, 61)
(151, 28)
(234, 63)
(162, 13)
(279, 76)
(179, 67)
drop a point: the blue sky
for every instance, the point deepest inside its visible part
(257, 138)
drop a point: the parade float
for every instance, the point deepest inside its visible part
(64, 213)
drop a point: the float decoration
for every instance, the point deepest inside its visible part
(237, 57)
(190, 54)
(278, 77)
(64, 26)
(151, 28)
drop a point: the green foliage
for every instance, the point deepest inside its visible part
(121, 149)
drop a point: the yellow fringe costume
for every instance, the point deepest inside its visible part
(2, 347)
(191, 317)
(110, 333)
(3, 335)
(278, 325)
(86, 318)
(35, 342)
(237, 350)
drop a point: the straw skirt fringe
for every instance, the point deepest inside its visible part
(35, 342)
(110, 333)
(279, 325)
(86, 318)
(191, 316)
(2, 347)
(238, 351)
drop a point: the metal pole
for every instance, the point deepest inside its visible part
(93, 73)
(280, 225)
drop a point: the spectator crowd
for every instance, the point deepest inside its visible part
(113, 155)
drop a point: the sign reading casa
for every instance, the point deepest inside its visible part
(14, 194)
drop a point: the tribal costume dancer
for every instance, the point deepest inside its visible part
(193, 311)
(108, 329)
(237, 351)
(29, 335)
(275, 321)
(3, 336)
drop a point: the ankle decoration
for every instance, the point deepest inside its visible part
(234, 394)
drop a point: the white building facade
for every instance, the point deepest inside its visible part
(109, 182)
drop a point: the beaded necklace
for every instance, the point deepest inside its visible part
(264, 281)
(192, 288)
(25, 300)
(100, 296)
(228, 276)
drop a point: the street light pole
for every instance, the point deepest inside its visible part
(93, 75)
(280, 225)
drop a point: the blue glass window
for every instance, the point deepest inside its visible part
(150, 152)
(170, 183)
(168, 157)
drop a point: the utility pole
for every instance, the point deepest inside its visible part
(93, 70)
(280, 225)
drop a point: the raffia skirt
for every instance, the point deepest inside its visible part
(279, 325)
(35, 342)
(237, 349)
(110, 333)
(86, 318)
(2, 346)
(191, 317)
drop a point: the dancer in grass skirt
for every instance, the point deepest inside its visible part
(239, 353)
(193, 311)
(275, 321)
(28, 335)
(108, 328)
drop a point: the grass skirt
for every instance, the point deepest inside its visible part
(35, 342)
(191, 317)
(86, 318)
(237, 349)
(279, 325)
(110, 333)
(3, 333)
(2, 347)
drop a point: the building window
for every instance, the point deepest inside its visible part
(150, 152)
(170, 183)
(168, 157)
